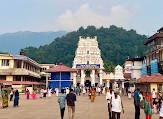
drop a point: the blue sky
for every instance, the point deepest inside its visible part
(145, 16)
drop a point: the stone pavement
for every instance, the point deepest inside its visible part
(49, 109)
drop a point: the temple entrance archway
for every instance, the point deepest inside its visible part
(87, 83)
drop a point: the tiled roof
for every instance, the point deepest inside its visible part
(60, 68)
(21, 82)
(127, 75)
(109, 72)
(157, 35)
(155, 78)
(128, 62)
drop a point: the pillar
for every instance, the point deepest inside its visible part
(47, 80)
(82, 77)
(100, 78)
(21, 78)
(108, 83)
(74, 79)
(123, 84)
(22, 64)
(93, 77)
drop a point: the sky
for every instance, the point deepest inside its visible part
(145, 16)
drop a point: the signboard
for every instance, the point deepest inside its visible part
(88, 66)
(144, 70)
(19, 57)
(154, 67)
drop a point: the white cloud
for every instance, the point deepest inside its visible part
(84, 16)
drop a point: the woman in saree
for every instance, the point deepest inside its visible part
(5, 99)
(93, 94)
(148, 106)
(34, 95)
(16, 100)
(27, 92)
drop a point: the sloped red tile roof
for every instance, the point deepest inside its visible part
(127, 75)
(128, 62)
(155, 78)
(22, 82)
(109, 72)
(60, 68)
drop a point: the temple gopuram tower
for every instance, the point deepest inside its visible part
(88, 63)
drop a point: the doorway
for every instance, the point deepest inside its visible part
(87, 83)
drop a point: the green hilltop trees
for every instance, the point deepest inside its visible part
(115, 43)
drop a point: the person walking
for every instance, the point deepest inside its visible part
(93, 93)
(161, 108)
(148, 106)
(116, 105)
(71, 98)
(154, 96)
(11, 94)
(16, 100)
(137, 103)
(34, 95)
(103, 91)
(45, 91)
(41, 93)
(84, 91)
(27, 93)
(77, 90)
(57, 91)
(67, 90)
(61, 101)
(49, 92)
(109, 95)
(99, 91)
(5, 99)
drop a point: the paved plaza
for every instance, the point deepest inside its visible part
(48, 108)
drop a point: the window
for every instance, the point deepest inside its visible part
(17, 78)
(5, 62)
(87, 52)
(87, 62)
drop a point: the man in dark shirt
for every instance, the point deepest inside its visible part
(137, 103)
(71, 98)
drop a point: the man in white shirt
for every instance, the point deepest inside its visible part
(109, 95)
(11, 94)
(153, 96)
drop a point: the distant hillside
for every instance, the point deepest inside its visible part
(14, 42)
(116, 45)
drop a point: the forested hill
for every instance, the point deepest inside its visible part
(116, 45)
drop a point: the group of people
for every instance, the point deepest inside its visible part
(147, 102)
(115, 105)
(70, 98)
(5, 98)
(33, 95)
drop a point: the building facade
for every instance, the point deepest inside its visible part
(19, 68)
(154, 53)
(88, 63)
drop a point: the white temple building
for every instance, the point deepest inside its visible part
(89, 66)
(88, 63)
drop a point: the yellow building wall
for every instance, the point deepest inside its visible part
(20, 88)
(154, 85)
(11, 63)
(9, 78)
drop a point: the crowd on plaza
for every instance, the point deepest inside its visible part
(5, 99)
(149, 102)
